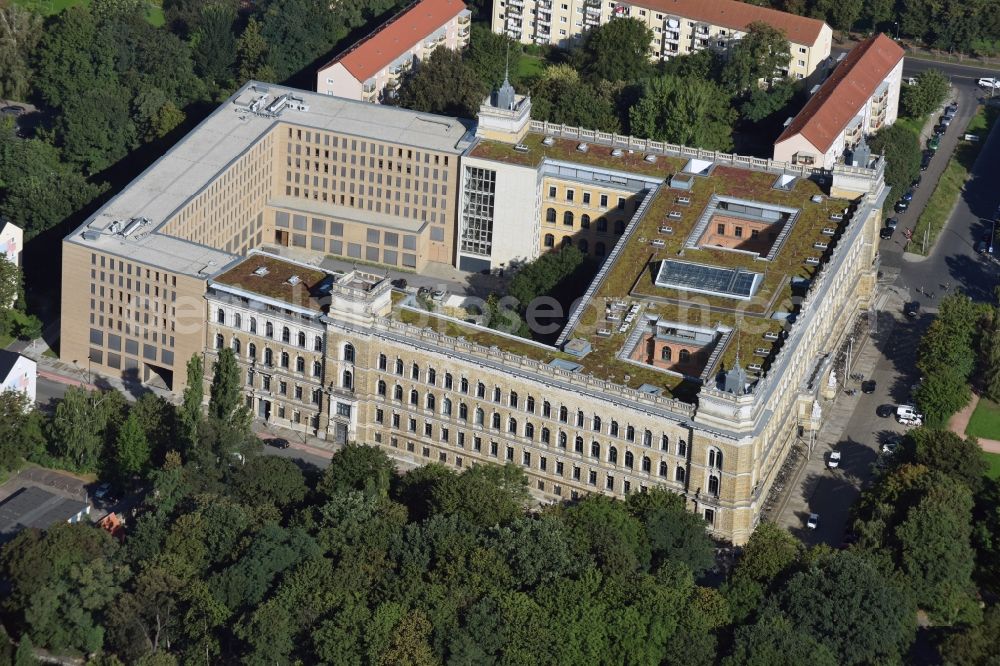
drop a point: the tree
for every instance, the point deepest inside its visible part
(25, 655)
(491, 55)
(20, 30)
(215, 44)
(251, 55)
(946, 452)
(444, 83)
(674, 533)
(618, 50)
(83, 424)
(296, 31)
(689, 112)
(560, 96)
(131, 451)
(224, 394)
(194, 396)
(604, 530)
(773, 641)
(900, 147)
(760, 55)
(990, 353)
(484, 495)
(762, 103)
(974, 645)
(852, 607)
(20, 429)
(355, 467)
(926, 95)
(270, 480)
(11, 284)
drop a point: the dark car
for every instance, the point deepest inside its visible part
(940, 129)
(885, 233)
(885, 411)
(278, 443)
(925, 161)
(399, 283)
(951, 108)
(915, 184)
(911, 309)
(868, 386)
(907, 195)
(902, 206)
(12, 110)
(892, 223)
(982, 246)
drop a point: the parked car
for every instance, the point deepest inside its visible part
(885, 411)
(907, 195)
(952, 108)
(105, 494)
(868, 386)
(885, 233)
(982, 246)
(940, 129)
(911, 309)
(833, 462)
(945, 122)
(12, 110)
(812, 522)
(890, 446)
(902, 206)
(892, 223)
(278, 443)
(916, 183)
(934, 143)
(925, 161)
(908, 415)
(988, 83)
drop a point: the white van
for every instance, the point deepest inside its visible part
(989, 83)
(908, 415)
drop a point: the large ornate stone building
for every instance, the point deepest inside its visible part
(693, 362)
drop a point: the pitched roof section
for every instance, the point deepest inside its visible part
(8, 360)
(739, 15)
(845, 91)
(397, 36)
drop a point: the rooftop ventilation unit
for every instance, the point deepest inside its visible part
(788, 121)
(294, 280)
(650, 158)
(582, 147)
(548, 141)
(91, 235)
(754, 367)
(260, 271)
(133, 225)
(828, 231)
(617, 152)
(520, 148)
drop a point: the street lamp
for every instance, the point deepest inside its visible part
(896, 23)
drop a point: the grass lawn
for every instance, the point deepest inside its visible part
(528, 67)
(985, 421)
(154, 11)
(5, 340)
(935, 215)
(993, 460)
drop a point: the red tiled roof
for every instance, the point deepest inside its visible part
(738, 15)
(397, 36)
(845, 91)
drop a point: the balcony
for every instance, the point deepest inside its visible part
(369, 86)
(544, 19)
(544, 4)
(514, 24)
(464, 18)
(463, 34)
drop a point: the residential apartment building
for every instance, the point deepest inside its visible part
(860, 97)
(11, 241)
(679, 27)
(686, 364)
(372, 68)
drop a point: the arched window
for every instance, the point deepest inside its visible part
(578, 445)
(220, 341)
(663, 469)
(630, 433)
(550, 215)
(253, 324)
(268, 329)
(547, 436)
(286, 334)
(682, 448)
(480, 415)
(512, 426)
(268, 356)
(597, 423)
(679, 474)
(237, 320)
(252, 350)
(300, 364)
(414, 371)
(566, 241)
(629, 459)
(446, 406)
(546, 408)
(318, 344)
(602, 225)
(599, 249)
(414, 397)
(647, 464)
(529, 431)
(236, 346)
(562, 440)
(529, 404)
(584, 221)
(464, 385)
(463, 411)
(220, 316)
(613, 431)
(347, 380)
(496, 394)
(430, 402)
(495, 421)
(399, 366)
(301, 339)
(664, 442)
(715, 458)
(582, 244)
(317, 368)
(397, 392)
(619, 227)
(613, 455)
(563, 414)
(381, 388)
(713, 485)
(480, 390)
(383, 362)
(683, 356)
(568, 218)
(595, 450)
(431, 376)
(512, 399)
(647, 438)
(284, 359)
(666, 354)
(349, 352)
(550, 240)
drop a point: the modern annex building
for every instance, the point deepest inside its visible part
(679, 27)
(694, 361)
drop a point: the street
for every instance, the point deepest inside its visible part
(889, 357)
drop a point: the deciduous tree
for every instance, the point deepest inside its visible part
(759, 56)
(901, 149)
(20, 30)
(927, 94)
(689, 112)
(618, 50)
(443, 83)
